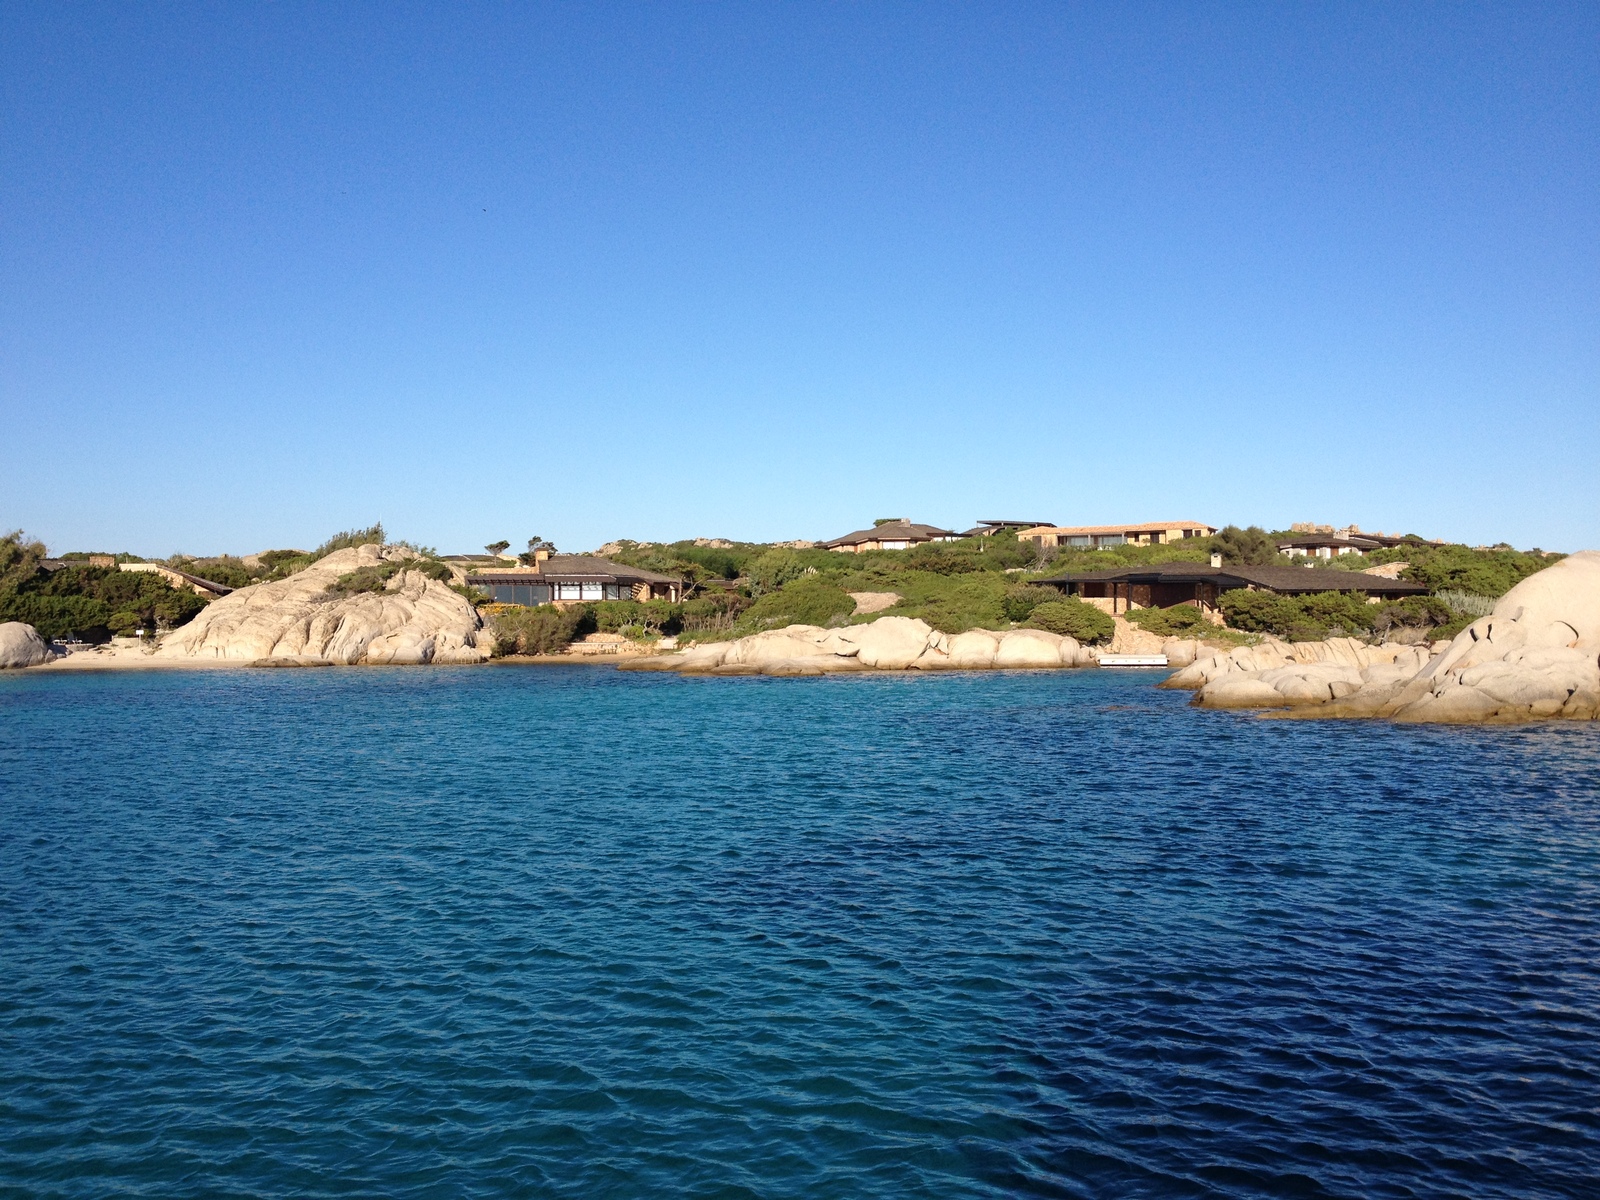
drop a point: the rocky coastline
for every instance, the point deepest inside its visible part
(1535, 657)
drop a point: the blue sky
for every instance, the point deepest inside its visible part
(772, 271)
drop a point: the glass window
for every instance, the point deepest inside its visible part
(591, 591)
(569, 591)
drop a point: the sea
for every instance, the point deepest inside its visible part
(574, 932)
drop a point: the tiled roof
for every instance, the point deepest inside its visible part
(893, 531)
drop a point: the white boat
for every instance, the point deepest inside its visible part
(1133, 660)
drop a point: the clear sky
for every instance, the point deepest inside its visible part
(773, 270)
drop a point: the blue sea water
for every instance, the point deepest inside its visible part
(574, 932)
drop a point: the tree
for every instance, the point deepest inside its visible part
(497, 548)
(1252, 547)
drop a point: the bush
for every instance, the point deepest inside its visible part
(1308, 618)
(1488, 573)
(94, 602)
(1021, 599)
(772, 570)
(942, 559)
(1181, 620)
(545, 629)
(1074, 618)
(715, 612)
(808, 601)
(1414, 612)
(1466, 604)
(650, 616)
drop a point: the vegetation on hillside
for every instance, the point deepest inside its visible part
(1074, 618)
(91, 603)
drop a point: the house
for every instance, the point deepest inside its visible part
(574, 578)
(1328, 545)
(1164, 585)
(1096, 537)
(985, 528)
(890, 535)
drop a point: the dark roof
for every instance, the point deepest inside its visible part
(898, 531)
(584, 568)
(1360, 542)
(987, 527)
(1287, 580)
(221, 589)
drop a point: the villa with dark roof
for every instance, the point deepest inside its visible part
(1163, 585)
(899, 534)
(572, 579)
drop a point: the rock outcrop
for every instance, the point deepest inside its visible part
(413, 620)
(21, 646)
(1537, 655)
(887, 644)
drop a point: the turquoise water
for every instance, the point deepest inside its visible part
(572, 932)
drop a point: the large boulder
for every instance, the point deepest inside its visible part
(21, 646)
(413, 620)
(1537, 655)
(1029, 648)
(887, 644)
(974, 650)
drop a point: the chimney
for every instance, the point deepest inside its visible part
(1216, 559)
(540, 556)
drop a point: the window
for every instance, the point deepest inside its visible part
(569, 591)
(892, 545)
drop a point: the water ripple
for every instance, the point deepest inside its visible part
(573, 932)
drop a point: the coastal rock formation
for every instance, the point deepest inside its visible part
(413, 620)
(21, 646)
(887, 644)
(1537, 655)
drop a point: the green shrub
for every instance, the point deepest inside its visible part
(1074, 618)
(1413, 612)
(808, 601)
(772, 570)
(1181, 620)
(1489, 573)
(942, 558)
(91, 602)
(545, 629)
(1021, 599)
(650, 616)
(1307, 618)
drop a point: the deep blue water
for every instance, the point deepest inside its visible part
(572, 932)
